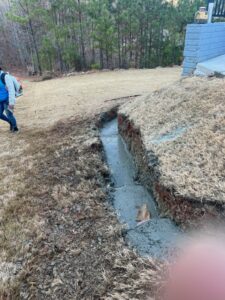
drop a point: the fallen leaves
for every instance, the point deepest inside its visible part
(143, 214)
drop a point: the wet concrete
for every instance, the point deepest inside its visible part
(170, 136)
(156, 237)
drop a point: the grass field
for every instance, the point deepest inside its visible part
(59, 238)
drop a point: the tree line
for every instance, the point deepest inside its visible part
(65, 35)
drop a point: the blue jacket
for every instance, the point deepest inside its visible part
(10, 90)
(4, 94)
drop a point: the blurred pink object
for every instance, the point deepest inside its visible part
(199, 273)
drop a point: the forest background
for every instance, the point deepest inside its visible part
(74, 35)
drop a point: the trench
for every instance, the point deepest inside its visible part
(154, 236)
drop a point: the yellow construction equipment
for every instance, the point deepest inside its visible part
(201, 15)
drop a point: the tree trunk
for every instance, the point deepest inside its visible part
(118, 44)
(35, 47)
(84, 64)
(101, 57)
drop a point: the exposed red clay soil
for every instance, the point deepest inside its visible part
(184, 211)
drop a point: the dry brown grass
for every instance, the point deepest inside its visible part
(44, 103)
(59, 239)
(192, 162)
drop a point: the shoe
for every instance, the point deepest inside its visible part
(15, 129)
(11, 127)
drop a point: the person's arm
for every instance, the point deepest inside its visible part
(11, 89)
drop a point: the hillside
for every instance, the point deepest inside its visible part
(183, 125)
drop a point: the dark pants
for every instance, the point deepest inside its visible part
(8, 116)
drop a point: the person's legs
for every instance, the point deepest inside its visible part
(10, 116)
(2, 116)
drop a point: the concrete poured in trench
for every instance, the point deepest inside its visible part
(158, 236)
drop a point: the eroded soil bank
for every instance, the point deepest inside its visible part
(186, 212)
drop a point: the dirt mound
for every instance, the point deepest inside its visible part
(184, 126)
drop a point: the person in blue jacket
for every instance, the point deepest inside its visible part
(8, 99)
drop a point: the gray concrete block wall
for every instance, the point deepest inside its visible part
(203, 41)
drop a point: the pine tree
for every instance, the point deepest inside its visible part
(60, 35)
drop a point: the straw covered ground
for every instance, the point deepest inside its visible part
(59, 237)
(184, 126)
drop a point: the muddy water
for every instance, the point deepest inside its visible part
(156, 237)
